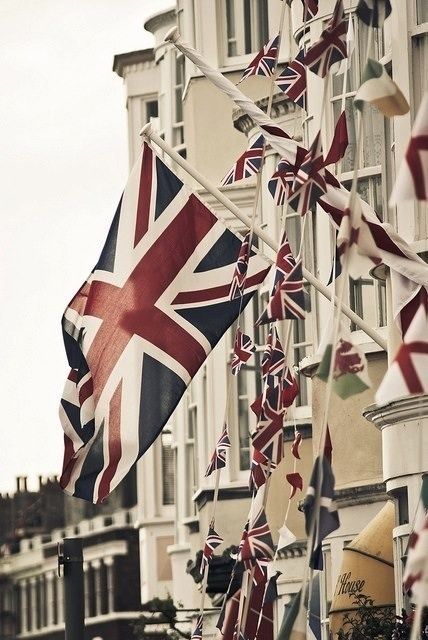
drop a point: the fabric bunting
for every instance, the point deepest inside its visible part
(290, 388)
(258, 544)
(309, 181)
(373, 12)
(242, 351)
(323, 520)
(237, 285)
(415, 578)
(285, 262)
(247, 165)
(408, 373)
(310, 9)
(157, 347)
(273, 358)
(286, 537)
(288, 301)
(380, 90)
(264, 62)
(212, 541)
(350, 374)
(271, 593)
(268, 437)
(218, 459)
(412, 178)
(281, 184)
(292, 80)
(330, 49)
(197, 632)
(296, 482)
(260, 470)
(296, 445)
(328, 446)
(340, 141)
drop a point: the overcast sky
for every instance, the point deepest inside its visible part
(62, 168)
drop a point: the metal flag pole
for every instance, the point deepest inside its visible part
(148, 132)
(70, 556)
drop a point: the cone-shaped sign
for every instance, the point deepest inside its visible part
(367, 568)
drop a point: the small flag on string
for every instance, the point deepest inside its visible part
(285, 262)
(328, 446)
(330, 49)
(296, 482)
(340, 141)
(268, 438)
(243, 349)
(323, 520)
(264, 62)
(309, 181)
(310, 9)
(197, 632)
(218, 459)
(258, 544)
(345, 64)
(380, 90)
(290, 388)
(350, 375)
(373, 12)
(415, 578)
(296, 444)
(281, 184)
(286, 537)
(292, 81)
(408, 373)
(273, 358)
(260, 470)
(412, 179)
(288, 301)
(248, 164)
(271, 593)
(237, 286)
(211, 543)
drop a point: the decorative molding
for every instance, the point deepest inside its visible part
(406, 409)
(295, 550)
(224, 493)
(135, 58)
(159, 20)
(363, 494)
(281, 106)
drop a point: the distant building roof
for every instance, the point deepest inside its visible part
(122, 60)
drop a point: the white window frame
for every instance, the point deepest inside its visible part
(240, 59)
(178, 88)
(191, 452)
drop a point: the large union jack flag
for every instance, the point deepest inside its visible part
(264, 62)
(248, 164)
(331, 47)
(292, 81)
(141, 326)
(310, 9)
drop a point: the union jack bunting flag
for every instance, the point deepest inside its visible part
(237, 285)
(309, 182)
(288, 301)
(408, 373)
(415, 578)
(331, 47)
(310, 9)
(212, 542)
(248, 164)
(197, 632)
(273, 358)
(285, 262)
(264, 62)
(258, 545)
(138, 330)
(323, 520)
(281, 184)
(218, 459)
(340, 141)
(296, 482)
(268, 437)
(290, 388)
(412, 179)
(292, 81)
(296, 444)
(260, 470)
(243, 350)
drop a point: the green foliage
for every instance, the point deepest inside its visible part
(367, 622)
(158, 611)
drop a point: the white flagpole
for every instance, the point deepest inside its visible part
(148, 132)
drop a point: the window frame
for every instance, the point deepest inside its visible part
(240, 35)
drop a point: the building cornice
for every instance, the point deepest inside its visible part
(159, 19)
(122, 60)
(397, 411)
(281, 106)
(362, 494)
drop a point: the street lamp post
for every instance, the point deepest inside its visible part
(70, 556)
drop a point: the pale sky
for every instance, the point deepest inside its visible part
(63, 165)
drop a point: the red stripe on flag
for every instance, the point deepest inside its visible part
(114, 444)
(144, 195)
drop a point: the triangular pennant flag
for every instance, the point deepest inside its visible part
(380, 90)
(412, 178)
(296, 481)
(281, 184)
(310, 9)
(373, 12)
(290, 388)
(248, 164)
(212, 541)
(268, 438)
(243, 349)
(408, 373)
(258, 544)
(328, 447)
(340, 141)
(350, 374)
(292, 81)
(218, 459)
(288, 302)
(273, 359)
(330, 49)
(321, 516)
(296, 445)
(286, 537)
(309, 181)
(237, 286)
(260, 470)
(264, 62)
